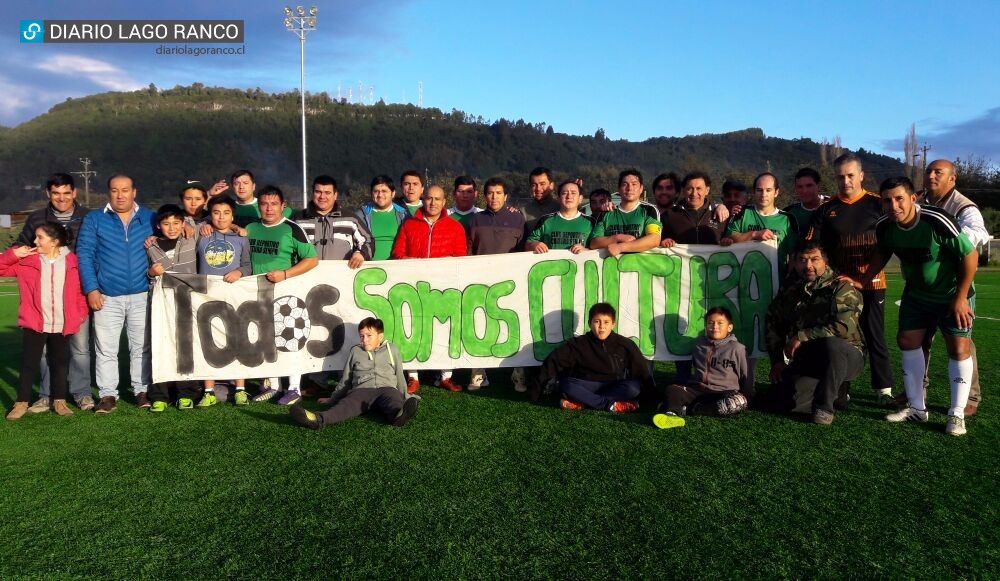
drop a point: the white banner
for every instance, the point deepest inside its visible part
(450, 313)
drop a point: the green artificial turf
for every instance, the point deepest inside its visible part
(486, 484)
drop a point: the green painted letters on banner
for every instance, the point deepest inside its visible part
(753, 306)
(446, 307)
(566, 271)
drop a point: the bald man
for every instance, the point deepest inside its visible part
(940, 191)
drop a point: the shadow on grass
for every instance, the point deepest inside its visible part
(280, 419)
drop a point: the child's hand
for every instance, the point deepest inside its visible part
(241, 231)
(188, 231)
(206, 230)
(149, 241)
(24, 251)
(217, 188)
(232, 276)
(156, 269)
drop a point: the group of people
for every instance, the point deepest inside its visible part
(86, 273)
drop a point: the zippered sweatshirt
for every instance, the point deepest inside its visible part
(44, 290)
(719, 366)
(587, 357)
(380, 367)
(418, 238)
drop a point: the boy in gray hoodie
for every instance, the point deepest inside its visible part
(372, 381)
(720, 381)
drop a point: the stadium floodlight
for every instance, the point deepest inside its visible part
(300, 24)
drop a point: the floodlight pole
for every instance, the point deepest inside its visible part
(299, 23)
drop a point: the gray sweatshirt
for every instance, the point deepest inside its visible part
(381, 367)
(719, 365)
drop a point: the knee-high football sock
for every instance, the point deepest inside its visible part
(960, 377)
(913, 377)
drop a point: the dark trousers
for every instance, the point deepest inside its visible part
(56, 346)
(975, 391)
(819, 369)
(162, 391)
(684, 399)
(600, 395)
(386, 400)
(872, 324)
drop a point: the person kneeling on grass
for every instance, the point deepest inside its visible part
(716, 387)
(601, 369)
(372, 381)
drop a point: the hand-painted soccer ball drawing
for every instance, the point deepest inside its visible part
(291, 323)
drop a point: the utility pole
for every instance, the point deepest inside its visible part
(924, 149)
(86, 174)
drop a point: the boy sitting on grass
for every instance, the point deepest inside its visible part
(600, 369)
(719, 374)
(173, 253)
(372, 381)
(226, 253)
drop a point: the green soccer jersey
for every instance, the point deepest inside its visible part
(384, 228)
(464, 218)
(780, 222)
(413, 209)
(639, 221)
(802, 215)
(248, 213)
(559, 233)
(930, 253)
(277, 247)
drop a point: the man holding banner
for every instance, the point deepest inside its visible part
(279, 249)
(634, 225)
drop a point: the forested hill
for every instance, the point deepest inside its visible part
(164, 137)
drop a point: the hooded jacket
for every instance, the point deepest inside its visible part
(31, 312)
(719, 366)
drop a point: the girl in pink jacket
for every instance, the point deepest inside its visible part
(52, 308)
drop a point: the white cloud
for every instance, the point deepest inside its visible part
(16, 99)
(101, 73)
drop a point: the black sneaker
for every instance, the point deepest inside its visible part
(107, 405)
(306, 418)
(406, 414)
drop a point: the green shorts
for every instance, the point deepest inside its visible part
(919, 314)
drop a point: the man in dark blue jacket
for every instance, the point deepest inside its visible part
(113, 267)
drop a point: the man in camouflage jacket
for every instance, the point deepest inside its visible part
(813, 336)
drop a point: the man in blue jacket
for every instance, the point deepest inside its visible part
(113, 275)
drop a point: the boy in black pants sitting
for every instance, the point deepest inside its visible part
(372, 381)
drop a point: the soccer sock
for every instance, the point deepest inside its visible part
(913, 377)
(445, 375)
(240, 388)
(412, 375)
(960, 377)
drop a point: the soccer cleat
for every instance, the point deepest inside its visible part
(908, 414)
(290, 397)
(624, 406)
(448, 384)
(306, 418)
(407, 412)
(158, 406)
(42, 405)
(185, 403)
(478, 379)
(568, 404)
(518, 378)
(412, 385)
(142, 400)
(241, 397)
(822, 417)
(85, 403)
(208, 400)
(265, 394)
(108, 404)
(955, 426)
(668, 420)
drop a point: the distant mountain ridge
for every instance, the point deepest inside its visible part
(165, 137)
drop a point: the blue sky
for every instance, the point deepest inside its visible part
(861, 70)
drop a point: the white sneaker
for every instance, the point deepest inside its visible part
(478, 379)
(517, 377)
(955, 426)
(908, 414)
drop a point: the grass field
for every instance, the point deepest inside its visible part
(488, 485)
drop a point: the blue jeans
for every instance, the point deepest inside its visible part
(600, 395)
(79, 365)
(127, 311)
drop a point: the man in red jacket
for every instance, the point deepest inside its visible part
(431, 233)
